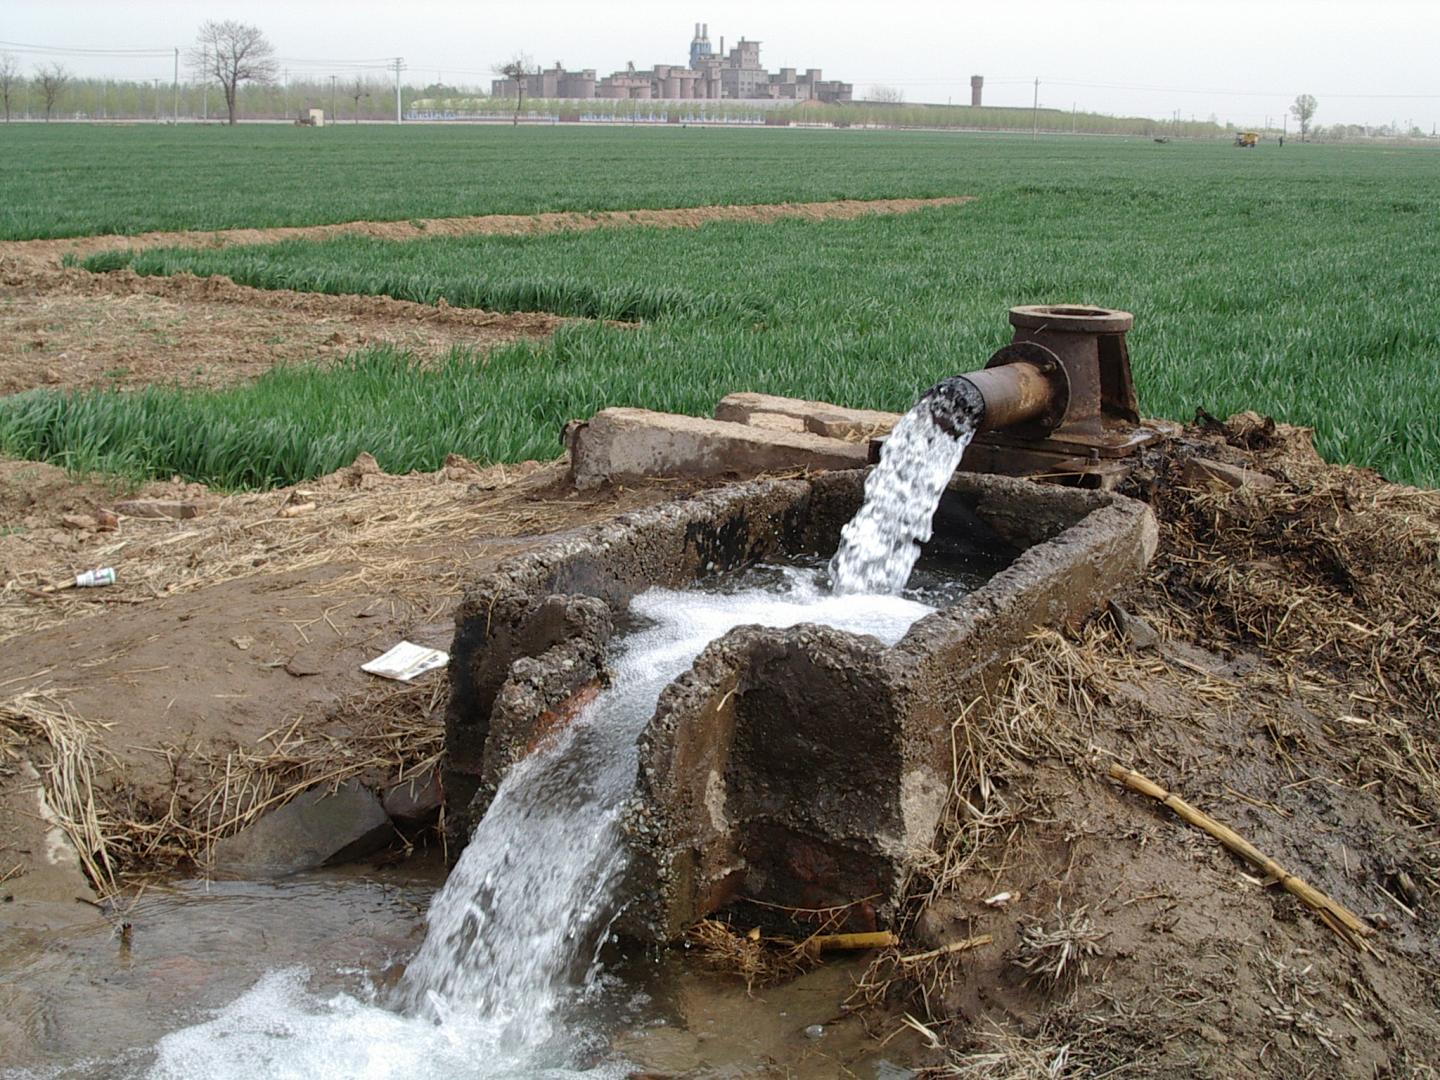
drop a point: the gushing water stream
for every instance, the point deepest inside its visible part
(879, 546)
(514, 935)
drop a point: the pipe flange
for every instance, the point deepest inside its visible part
(1071, 318)
(1049, 365)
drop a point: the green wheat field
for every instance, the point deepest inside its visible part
(1302, 282)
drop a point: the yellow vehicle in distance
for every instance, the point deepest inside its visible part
(1248, 139)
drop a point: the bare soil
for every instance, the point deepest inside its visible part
(1277, 669)
(70, 329)
(225, 631)
(486, 225)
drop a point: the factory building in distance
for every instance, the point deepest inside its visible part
(710, 75)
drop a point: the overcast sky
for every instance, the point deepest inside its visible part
(1240, 60)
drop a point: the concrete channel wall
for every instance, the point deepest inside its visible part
(801, 767)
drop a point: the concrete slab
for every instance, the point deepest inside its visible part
(628, 444)
(1202, 473)
(816, 417)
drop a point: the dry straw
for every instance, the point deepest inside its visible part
(389, 734)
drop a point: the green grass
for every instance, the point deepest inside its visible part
(1299, 285)
(66, 180)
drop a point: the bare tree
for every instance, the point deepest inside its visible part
(51, 81)
(10, 80)
(232, 53)
(887, 95)
(1303, 110)
(359, 87)
(517, 68)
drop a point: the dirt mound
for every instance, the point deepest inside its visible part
(486, 225)
(1334, 569)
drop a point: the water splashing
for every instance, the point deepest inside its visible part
(879, 547)
(514, 933)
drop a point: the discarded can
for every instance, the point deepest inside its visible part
(94, 578)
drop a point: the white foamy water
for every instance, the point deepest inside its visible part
(514, 933)
(880, 545)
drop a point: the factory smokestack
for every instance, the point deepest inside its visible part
(977, 85)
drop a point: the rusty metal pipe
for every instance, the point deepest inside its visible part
(1013, 394)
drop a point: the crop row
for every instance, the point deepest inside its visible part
(431, 272)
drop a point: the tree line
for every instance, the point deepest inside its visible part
(137, 100)
(231, 71)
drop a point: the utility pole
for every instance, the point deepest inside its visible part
(176, 117)
(332, 99)
(1035, 113)
(285, 96)
(399, 67)
(205, 82)
(157, 101)
(1072, 118)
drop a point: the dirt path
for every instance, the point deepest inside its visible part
(484, 225)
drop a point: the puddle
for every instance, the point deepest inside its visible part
(278, 979)
(83, 1003)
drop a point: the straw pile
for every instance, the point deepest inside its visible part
(1333, 570)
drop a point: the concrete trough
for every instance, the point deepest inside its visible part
(803, 767)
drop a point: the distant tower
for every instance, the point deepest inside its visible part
(977, 84)
(700, 45)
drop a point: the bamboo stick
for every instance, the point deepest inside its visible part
(879, 939)
(1334, 914)
(964, 945)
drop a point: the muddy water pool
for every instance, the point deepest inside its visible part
(280, 979)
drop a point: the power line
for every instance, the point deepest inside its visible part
(382, 61)
(53, 49)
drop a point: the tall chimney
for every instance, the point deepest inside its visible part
(977, 84)
(697, 31)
